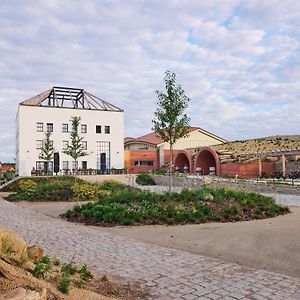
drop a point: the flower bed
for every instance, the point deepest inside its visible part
(131, 207)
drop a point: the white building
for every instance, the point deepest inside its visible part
(102, 127)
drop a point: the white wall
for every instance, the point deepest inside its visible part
(28, 116)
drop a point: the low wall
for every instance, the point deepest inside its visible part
(99, 178)
(178, 181)
(249, 170)
(290, 166)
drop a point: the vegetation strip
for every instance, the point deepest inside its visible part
(131, 207)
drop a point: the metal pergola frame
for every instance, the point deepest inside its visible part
(67, 97)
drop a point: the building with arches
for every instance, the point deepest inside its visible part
(150, 152)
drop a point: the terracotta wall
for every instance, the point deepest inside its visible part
(250, 170)
(140, 155)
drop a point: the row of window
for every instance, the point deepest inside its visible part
(40, 143)
(143, 163)
(66, 165)
(65, 128)
(41, 165)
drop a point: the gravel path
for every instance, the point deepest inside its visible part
(170, 274)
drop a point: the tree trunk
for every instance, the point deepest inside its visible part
(47, 164)
(170, 168)
(75, 169)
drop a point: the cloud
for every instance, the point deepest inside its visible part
(237, 60)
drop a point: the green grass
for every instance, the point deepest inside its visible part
(130, 207)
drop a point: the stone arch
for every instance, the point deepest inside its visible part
(183, 158)
(205, 158)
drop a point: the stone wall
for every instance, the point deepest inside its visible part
(179, 181)
(291, 166)
(99, 178)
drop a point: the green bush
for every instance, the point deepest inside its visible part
(64, 284)
(144, 179)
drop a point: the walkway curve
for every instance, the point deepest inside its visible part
(170, 274)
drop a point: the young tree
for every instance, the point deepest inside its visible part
(171, 123)
(75, 149)
(47, 151)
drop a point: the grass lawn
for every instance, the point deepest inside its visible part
(133, 207)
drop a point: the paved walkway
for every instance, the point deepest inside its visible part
(170, 274)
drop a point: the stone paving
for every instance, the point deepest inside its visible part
(168, 273)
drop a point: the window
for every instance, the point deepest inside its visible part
(65, 145)
(84, 145)
(103, 156)
(39, 127)
(51, 144)
(41, 167)
(65, 165)
(65, 128)
(98, 128)
(84, 128)
(143, 163)
(49, 127)
(39, 144)
(74, 165)
(107, 129)
(84, 165)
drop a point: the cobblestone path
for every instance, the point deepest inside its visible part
(169, 274)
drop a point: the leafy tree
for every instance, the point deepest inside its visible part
(75, 149)
(171, 123)
(47, 151)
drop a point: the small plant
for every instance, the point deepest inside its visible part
(56, 261)
(144, 179)
(68, 269)
(40, 270)
(85, 274)
(7, 249)
(45, 260)
(21, 262)
(64, 284)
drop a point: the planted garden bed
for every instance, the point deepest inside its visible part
(131, 207)
(59, 189)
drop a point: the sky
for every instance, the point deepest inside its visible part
(238, 61)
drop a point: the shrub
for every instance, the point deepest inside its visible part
(144, 179)
(86, 191)
(42, 267)
(64, 284)
(25, 184)
(111, 185)
(68, 269)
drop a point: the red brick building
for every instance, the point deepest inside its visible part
(149, 152)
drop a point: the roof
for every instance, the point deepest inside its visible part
(67, 97)
(8, 168)
(152, 137)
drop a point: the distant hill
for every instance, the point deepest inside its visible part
(279, 142)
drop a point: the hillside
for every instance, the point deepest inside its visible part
(273, 143)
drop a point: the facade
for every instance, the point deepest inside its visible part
(102, 127)
(149, 152)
